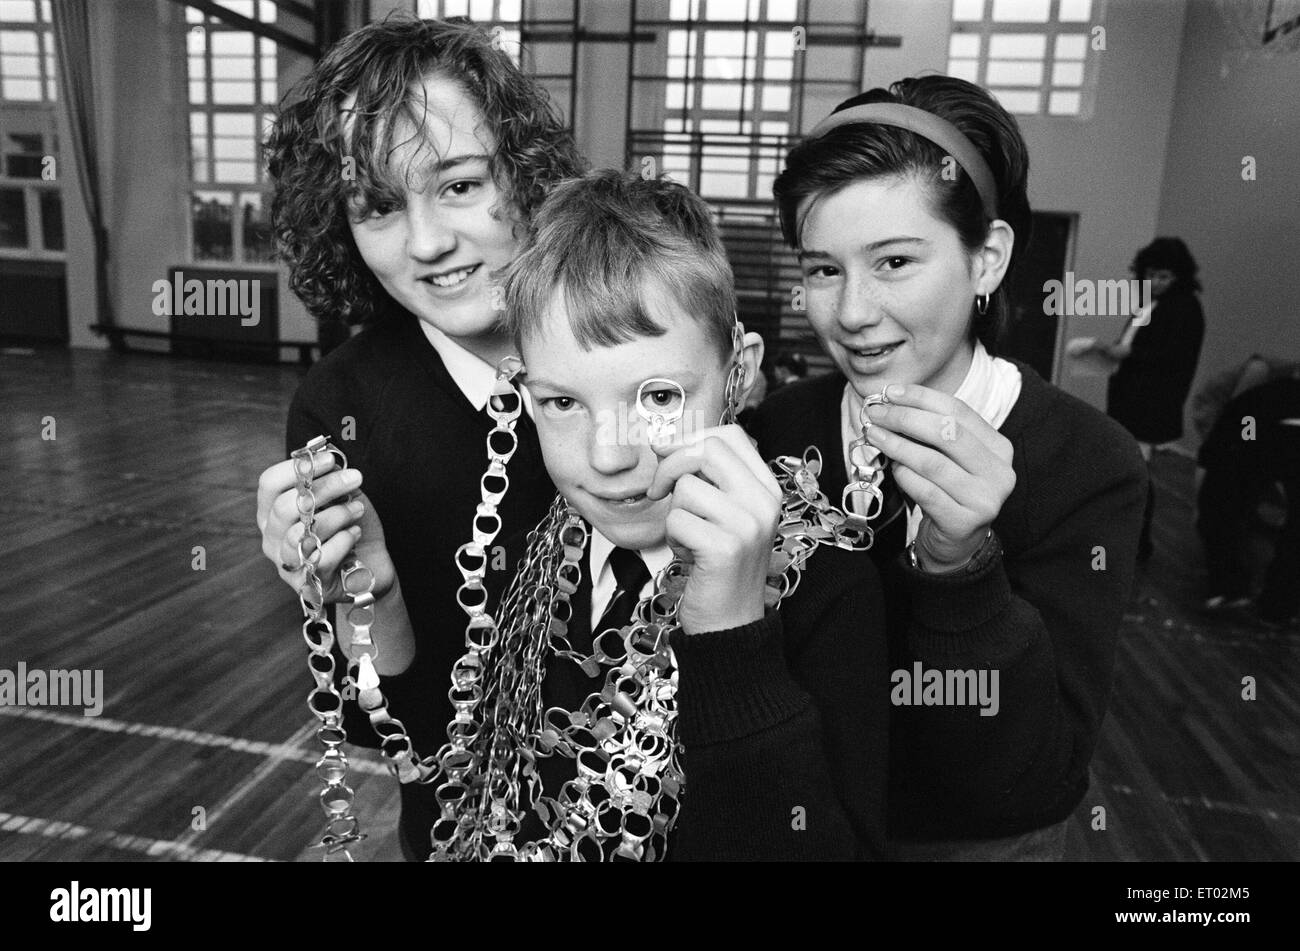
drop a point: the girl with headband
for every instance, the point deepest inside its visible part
(1006, 512)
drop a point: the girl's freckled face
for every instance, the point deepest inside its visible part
(889, 286)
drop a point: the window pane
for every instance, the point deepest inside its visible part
(778, 69)
(480, 11)
(198, 94)
(675, 95)
(51, 205)
(243, 7)
(1021, 11)
(241, 150)
(720, 67)
(1075, 11)
(1072, 46)
(779, 43)
(968, 9)
(232, 68)
(27, 143)
(230, 93)
(21, 67)
(23, 166)
(716, 185)
(1018, 100)
(13, 219)
(25, 90)
(1014, 73)
(1064, 104)
(1017, 46)
(196, 41)
(775, 128)
(270, 91)
(210, 213)
(241, 172)
(21, 11)
(782, 9)
(266, 11)
(730, 164)
(256, 225)
(197, 68)
(724, 43)
(776, 98)
(684, 10)
(725, 126)
(725, 10)
(1067, 74)
(198, 145)
(231, 43)
(721, 96)
(18, 41)
(510, 11)
(964, 45)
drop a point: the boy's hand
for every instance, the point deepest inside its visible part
(340, 528)
(951, 463)
(725, 508)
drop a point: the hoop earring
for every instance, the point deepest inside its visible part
(982, 304)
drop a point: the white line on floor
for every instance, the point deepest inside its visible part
(278, 751)
(153, 848)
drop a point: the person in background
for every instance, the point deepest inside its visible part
(1157, 357)
(1252, 447)
(1226, 385)
(788, 368)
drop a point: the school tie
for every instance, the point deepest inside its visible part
(630, 576)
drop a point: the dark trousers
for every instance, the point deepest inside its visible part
(1226, 506)
(1280, 599)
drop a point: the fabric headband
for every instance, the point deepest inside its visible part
(929, 126)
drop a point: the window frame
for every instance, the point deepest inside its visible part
(261, 113)
(987, 28)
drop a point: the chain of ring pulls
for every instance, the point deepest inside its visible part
(624, 800)
(325, 701)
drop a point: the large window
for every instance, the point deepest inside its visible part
(728, 78)
(1033, 55)
(26, 52)
(233, 93)
(31, 201)
(502, 17)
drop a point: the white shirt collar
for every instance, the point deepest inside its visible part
(473, 376)
(602, 576)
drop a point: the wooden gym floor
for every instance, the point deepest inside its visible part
(205, 679)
